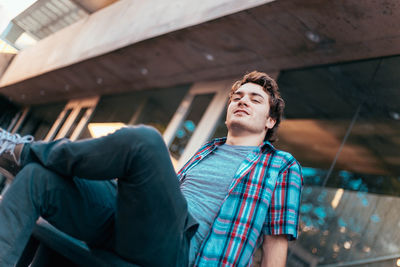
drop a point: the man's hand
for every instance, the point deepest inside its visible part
(274, 251)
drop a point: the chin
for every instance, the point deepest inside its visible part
(244, 126)
(238, 124)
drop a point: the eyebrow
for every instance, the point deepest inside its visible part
(252, 94)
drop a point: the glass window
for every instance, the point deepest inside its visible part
(7, 112)
(2, 184)
(71, 130)
(220, 130)
(188, 126)
(40, 119)
(151, 107)
(37, 123)
(343, 125)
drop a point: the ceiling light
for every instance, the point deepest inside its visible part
(313, 37)
(144, 71)
(209, 57)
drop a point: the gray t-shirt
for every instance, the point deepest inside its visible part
(206, 185)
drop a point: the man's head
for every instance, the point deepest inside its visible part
(255, 105)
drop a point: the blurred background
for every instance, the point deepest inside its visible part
(80, 69)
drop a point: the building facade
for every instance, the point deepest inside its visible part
(171, 64)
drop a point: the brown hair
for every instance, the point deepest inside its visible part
(276, 103)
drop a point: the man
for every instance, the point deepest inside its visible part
(240, 190)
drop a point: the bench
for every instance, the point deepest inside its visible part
(49, 246)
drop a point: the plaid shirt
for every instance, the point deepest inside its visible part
(263, 199)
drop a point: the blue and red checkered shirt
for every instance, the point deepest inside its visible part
(263, 199)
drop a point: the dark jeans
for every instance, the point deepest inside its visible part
(143, 218)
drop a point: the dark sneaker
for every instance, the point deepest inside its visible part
(10, 150)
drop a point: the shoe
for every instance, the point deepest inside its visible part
(11, 146)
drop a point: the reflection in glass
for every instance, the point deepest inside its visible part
(37, 123)
(187, 128)
(353, 220)
(353, 226)
(62, 121)
(150, 107)
(71, 130)
(2, 184)
(220, 129)
(7, 112)
(40, 120)
(379, 184)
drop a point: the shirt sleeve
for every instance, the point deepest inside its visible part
(283, 213)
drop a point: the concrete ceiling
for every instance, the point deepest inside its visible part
(280, 35)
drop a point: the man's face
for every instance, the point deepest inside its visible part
(249, 110)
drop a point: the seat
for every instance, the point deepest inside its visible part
(76, 251)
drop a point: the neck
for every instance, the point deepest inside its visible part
(244, 139)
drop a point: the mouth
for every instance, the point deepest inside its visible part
(241, 111)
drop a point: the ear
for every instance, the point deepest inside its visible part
(270, 123)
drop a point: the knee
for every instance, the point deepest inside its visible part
(146, 137)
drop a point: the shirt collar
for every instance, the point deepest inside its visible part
(265, 147)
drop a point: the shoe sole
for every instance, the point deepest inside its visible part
(9, 176)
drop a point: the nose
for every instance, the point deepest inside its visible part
(243, 100)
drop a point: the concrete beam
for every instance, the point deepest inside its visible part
(5, 59)
(92, 6)
(123, 23)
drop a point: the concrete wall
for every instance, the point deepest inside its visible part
(123, 23)
(5, 60)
